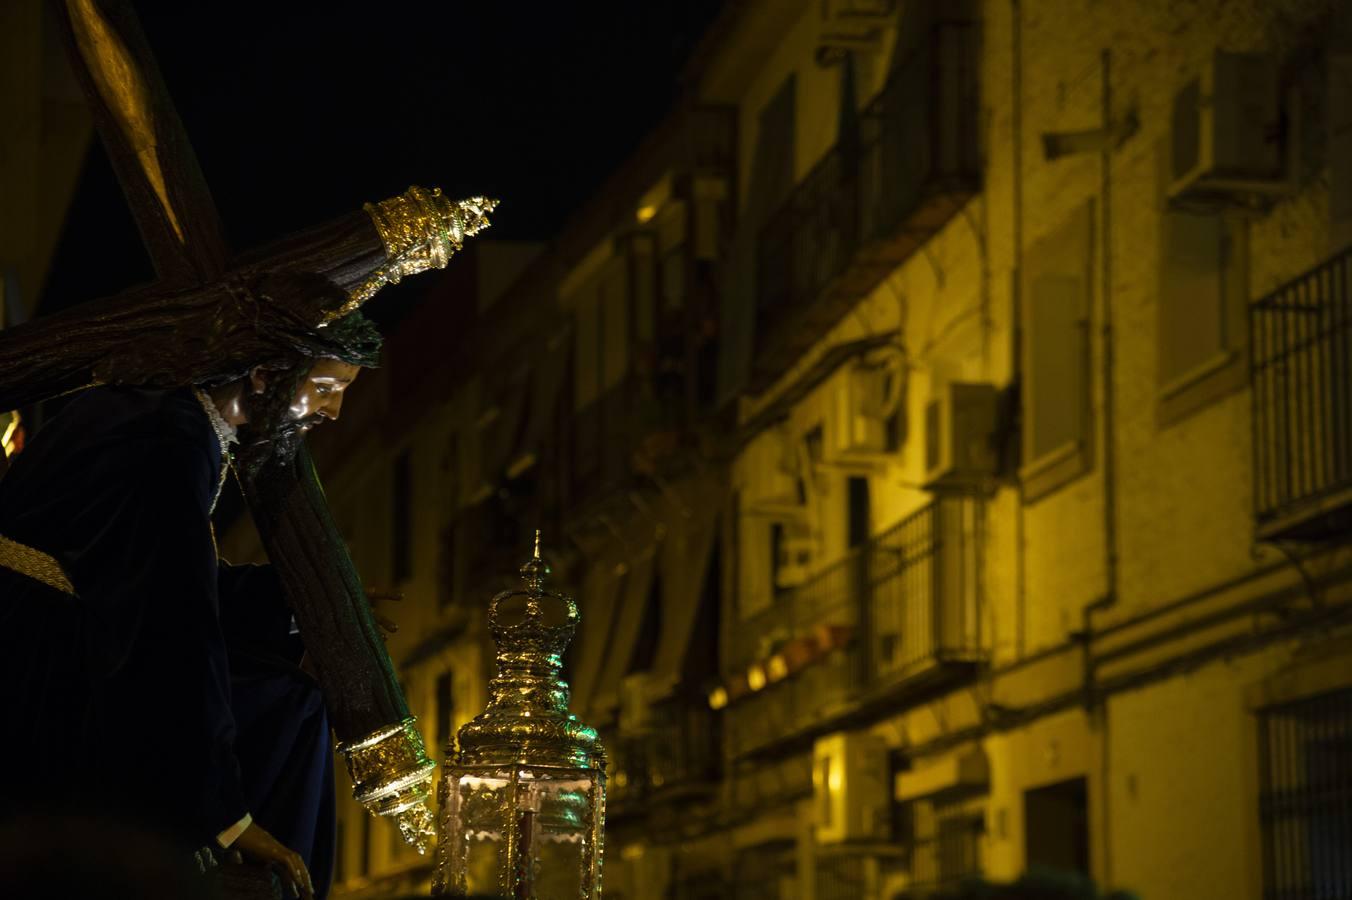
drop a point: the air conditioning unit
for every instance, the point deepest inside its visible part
(851, 794)
(959, 436)
(797, 550)
(861, 400)
(1227, 132)
(635, 707)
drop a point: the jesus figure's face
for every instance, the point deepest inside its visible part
(319, 396)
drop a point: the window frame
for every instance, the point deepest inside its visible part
(1181, 394)
(1048, 258)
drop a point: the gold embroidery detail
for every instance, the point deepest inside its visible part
(421, 230)
(35, 564)
(391, 775)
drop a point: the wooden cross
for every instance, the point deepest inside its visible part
(212, 313)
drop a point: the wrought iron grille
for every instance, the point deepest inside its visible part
(924, 574)
(904, 603)
(1305, 758)
(679, 750)
(951, 854)
(1302, 393)
(842, 877)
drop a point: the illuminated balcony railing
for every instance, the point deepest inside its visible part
(897, 616)
(1302, 404)
(872, 201)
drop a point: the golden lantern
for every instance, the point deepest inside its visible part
(523, 800)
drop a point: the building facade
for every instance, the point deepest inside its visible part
(942, 421)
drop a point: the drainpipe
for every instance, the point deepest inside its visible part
(1110, 560)
(1016, 128)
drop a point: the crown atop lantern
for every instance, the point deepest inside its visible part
(527, 721)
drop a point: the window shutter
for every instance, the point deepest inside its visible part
(1191, 312)
(1202, 320)
(1056, 376)
(1056, 369)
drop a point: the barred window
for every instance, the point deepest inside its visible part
(842, 877)
(947, 847)
(1305, 760)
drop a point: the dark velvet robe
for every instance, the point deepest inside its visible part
(166, 692)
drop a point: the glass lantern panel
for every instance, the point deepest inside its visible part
(559, 811)
(484, 826)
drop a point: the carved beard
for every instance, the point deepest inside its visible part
(287, 435)
(273, 435)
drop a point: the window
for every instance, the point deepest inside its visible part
(1056, 378)
(857, 511)
(842, 877)
(959, 847)
(445, 708)
(401, 534)
(947, 846)
(1305, 806)
(601, 364)
(1203, 310)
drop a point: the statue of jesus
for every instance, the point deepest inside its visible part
(143, 679)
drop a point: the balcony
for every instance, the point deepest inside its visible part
(872, 201)
(631, 429)
(893, 620)
(675, 758)
(1302, 405)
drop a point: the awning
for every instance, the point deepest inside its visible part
(628, 622)
(684, 566)
(596, 606)
(547, 378)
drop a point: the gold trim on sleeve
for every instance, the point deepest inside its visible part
(34, 564)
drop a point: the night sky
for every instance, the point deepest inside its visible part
(303, 111)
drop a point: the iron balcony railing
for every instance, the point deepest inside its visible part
(679, 751)
(1302, 403)
(897, 611)
(892, 180)
(605, 434)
